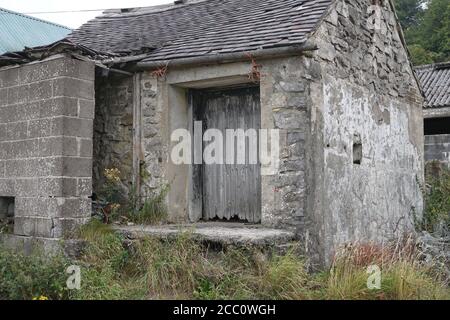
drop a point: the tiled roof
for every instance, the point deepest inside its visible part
(18, 31)
(202, 27)
(435, 82)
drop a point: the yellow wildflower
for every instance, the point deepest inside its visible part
(112, 175)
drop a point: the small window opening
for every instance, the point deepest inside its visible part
(7, 205)
(357, 153)
(437, 126)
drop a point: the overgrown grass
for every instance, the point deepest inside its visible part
(182, 268)
(153, 210)
(403, 277)
(437, 198)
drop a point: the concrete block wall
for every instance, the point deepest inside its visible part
(46, 130)
(437, 147)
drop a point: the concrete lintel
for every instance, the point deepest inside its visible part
(436, 113)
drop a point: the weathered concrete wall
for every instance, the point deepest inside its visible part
(437, 147)
(113, 130)
(363, 94)
(46, 112)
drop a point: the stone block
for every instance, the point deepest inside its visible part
(3, 97)
(16, 131)
(27, 187)
(85, 147)
(77, 167)
(9, 77)
(40, 90)
(19, 94)
(84, 187)
(58, 146)
(78, 127)
(73, 88)
(7, 187)
(86, 109)
(60, 106)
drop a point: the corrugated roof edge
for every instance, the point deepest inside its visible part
(36, 19)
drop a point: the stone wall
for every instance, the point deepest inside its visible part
(365, 151)
(155, 152)
(437, 147)
(46, 115)
(113, 130)
(284, 106)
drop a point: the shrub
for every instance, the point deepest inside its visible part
(33, 276)
(437, 199)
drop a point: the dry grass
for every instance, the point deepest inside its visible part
(403, 275)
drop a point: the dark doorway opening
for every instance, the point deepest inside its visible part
(436, 126)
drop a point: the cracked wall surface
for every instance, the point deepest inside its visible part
(46, 115)
(364, 94)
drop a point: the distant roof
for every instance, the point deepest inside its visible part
(202, 27)
(435, 82)
(18, 31)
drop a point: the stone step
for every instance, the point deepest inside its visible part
(216, 233)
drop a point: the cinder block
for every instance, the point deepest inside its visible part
(58, 187)
(2, 169)
(46, 127)
(16, 131)
(17, 95)
(3, 97)
(85, 147)
(62, 66)
(27, 187)
(86, 109)
(2, 132)
(67, 227)
(61, 106)
(7, 187)
(22, 149)
(76, 127)
(84, 187)
(73, 88)
(58, 146)
(9, 77)
(40, 90)
(77, 167)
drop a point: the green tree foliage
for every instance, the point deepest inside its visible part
(409, 12)
(427, 29)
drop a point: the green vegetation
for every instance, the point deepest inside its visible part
(128, 206)
(437, 199)
(181, 268)
(426, 24)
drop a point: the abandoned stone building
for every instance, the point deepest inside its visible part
(333, 77)
(435, 82)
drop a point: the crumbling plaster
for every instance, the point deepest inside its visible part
(363, 91)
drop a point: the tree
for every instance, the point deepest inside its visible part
(427, 29)
(409, 12)
(434, 29)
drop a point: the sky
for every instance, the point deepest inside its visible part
(74, 19)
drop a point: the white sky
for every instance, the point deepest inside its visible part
(74, 19)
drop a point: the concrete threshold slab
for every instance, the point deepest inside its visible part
(223, 233)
